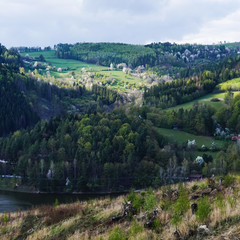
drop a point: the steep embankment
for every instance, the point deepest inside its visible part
(172, 212)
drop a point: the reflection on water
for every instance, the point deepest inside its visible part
(9, 203)
(13, 201)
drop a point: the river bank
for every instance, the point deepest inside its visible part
(15, 185)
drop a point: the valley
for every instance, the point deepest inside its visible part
(107, 118)
(119, 120)
(111, 127)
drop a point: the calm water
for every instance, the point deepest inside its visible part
(11, 201)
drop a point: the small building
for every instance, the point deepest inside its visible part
(235, 138)
(175, 126)
(3, 161)
(193, 177)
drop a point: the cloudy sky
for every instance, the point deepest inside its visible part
(48, 22)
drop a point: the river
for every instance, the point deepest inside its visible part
(14, 201)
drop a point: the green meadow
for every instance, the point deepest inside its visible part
(205, 99)
(115, 79)
(73, 65)
(182, 137)
(233, 84)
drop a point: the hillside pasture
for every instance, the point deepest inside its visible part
(233, 84)
(115, 78)
(205, 99)
(73, 65)
(182, 137)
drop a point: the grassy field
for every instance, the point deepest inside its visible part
(205, 99)
(233, 85)
(115, 79)
(182, 137)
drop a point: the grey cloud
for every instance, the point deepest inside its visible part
(48, 22)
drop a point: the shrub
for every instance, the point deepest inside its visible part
(5, 218)
(56, 203)
(135, 228)
(194, 188)
(181, 206)
(220, 203)
(232, 200)
(204, 209)
(150, 200)
(157, 225)
(3, 230)
(166, 204)
(203, 185)
(117, 234)
(215, 100)
(137, 201)
(228, 180)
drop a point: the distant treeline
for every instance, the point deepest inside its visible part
(106, 53)
(32, 49)
(200, 51)
(179, 60)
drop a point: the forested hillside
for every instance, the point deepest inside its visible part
(187, 89)
(28, 96)
(93, 139)
(97, 152)
(176, 60)
(107, 53)
(15, 110)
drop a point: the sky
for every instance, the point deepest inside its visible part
(48, 22)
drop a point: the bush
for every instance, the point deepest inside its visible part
(136, 200)
(135, 229)
(157, 225)
(228, 180)
(232, 200)
(220, 203)
(166, 204)
(181, 206)
(150, 200)
(204, 209)
(117, 234)
(56, 203)
(5, 218)
(215, 100)
(194, 188)
(3, 230)
(203, 185)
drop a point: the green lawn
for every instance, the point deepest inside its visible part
(182, 137)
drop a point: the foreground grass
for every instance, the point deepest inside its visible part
(93, 219)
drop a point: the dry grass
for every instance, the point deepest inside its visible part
(53, 215)
(92, 219)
